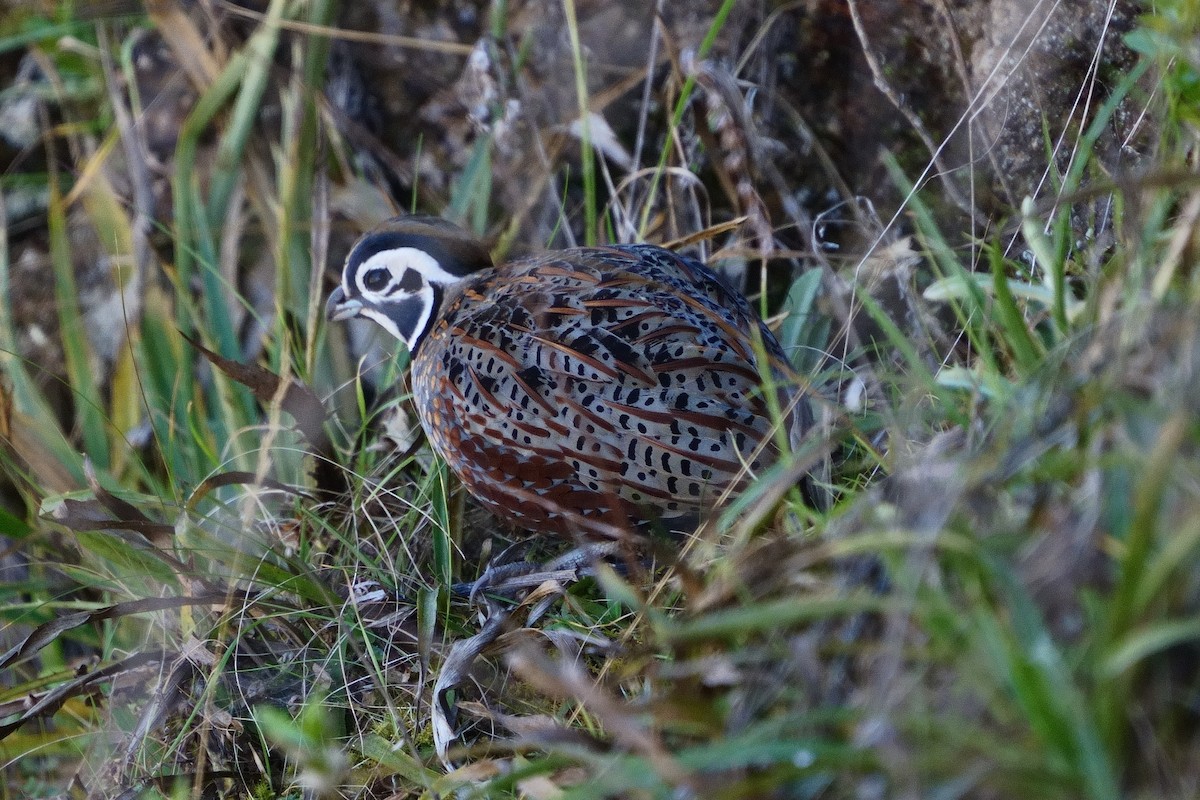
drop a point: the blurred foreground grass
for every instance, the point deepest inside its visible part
(1003, 602)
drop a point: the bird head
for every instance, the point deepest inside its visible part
(397, 274)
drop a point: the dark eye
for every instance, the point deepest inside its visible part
(376, 279)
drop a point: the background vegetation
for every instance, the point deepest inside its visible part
(229, 561)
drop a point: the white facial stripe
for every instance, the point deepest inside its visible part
(388, 324)
(419, 331)
(401, 258)
(382, 320)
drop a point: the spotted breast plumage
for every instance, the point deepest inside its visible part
(582, 391)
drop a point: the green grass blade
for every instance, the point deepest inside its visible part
(256, 60)
(85, 388)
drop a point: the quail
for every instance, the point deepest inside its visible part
(581, 391)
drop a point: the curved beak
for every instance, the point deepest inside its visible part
(339, 307)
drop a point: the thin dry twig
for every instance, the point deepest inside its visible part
(367, 37)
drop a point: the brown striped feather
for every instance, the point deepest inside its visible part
(586, 389)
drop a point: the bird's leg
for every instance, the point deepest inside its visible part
(507, 563)
(503, 576)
